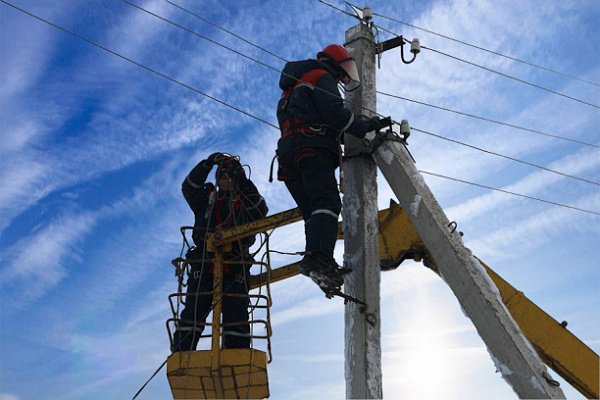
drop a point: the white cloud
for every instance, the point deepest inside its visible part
(39, 261)
(572, 164)
(312, 307)
(536, 231)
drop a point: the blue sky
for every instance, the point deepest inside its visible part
(94, 150)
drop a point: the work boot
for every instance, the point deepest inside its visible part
(324, 273)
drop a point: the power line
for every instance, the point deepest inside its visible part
(487, 50)
(489, 120)
(338, 9)
(233, 107)
(511, 77)
(149, 69)
(463, 42)
(252, 59)
(496, 72)
(481, 66)
(507, 157)
(337, 96)
(225, 30)
(281, 58)
(509, 192)
(168, 21)
(153, 375)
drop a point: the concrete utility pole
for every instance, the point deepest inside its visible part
(512, 353)
(362, 330)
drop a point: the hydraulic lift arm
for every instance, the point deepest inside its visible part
(398, 240)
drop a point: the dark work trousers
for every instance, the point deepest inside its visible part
(197, 308)
(311, 182)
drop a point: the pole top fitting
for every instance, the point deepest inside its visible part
(367, 14)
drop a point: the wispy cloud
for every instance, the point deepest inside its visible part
(537, 230)
(38, 262)
(312, 307)
(532, 184)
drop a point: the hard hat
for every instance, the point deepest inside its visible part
(226, 166)
(339, 56)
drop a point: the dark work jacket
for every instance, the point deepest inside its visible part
(310, 94)
(213, 208)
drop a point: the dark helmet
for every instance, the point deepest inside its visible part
(340, 59)
(227, 166)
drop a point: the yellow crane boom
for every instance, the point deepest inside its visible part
(398, 240)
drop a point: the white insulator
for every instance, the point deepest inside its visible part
(404, 127)
(367, 13)
(415, 46)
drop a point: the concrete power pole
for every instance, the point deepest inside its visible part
(362, 330)
(513, 355)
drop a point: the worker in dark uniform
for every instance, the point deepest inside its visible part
(233, 202)
(312, 119)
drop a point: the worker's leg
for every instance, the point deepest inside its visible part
(293, 183)
(310, 178)
(197, 307)
(235, 310)
(320, 185)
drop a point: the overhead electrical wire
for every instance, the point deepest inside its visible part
(489, 119)
(283, 59)
(509, 192)
(164, 76)
(505, 75)
(477, 65)
(224, 30)
(463, 42)
(504, 156)
(168, 21)
(383, 93)
(149, 69)
(487, 50)
(511, 77)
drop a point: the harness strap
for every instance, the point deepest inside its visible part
(290, 126)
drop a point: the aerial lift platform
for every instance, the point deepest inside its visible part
(220, 373)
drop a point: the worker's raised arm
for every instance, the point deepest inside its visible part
(194, 189)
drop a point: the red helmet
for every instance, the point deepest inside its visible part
(341, 57)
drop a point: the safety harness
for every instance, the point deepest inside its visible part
(291, 126)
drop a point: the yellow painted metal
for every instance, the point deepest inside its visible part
(223, 236)
(216, 321)
(242, 374)
(398, 241)
(562, 351)
(277, 275)
(558, 348)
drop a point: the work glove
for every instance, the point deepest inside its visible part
(374, 124)
(236, 172)
(212, 159)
